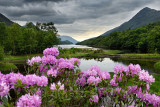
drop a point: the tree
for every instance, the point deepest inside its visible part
(1, 53)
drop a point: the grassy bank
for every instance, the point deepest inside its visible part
(20, 58)
(66, 53)
(7, 66)
(137, 55)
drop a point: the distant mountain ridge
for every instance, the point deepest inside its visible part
(68, 38)
(143, 17)
(5, 20)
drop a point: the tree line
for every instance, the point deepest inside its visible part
(29, 39)
(145, 39)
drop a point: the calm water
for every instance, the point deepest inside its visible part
(105, 64)
(74, 46)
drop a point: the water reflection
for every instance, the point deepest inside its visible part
(146, 64)
(105, 64)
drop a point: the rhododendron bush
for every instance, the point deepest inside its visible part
(53, 81)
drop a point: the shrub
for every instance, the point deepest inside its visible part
(58, 82)
(157, 66)
(1, 53)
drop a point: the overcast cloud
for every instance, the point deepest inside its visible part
(81, 19)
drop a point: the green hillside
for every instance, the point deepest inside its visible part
(145, 39)
(143, 17)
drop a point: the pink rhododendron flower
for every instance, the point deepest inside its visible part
(34, 60)
(144, 76)
(49, 59)
(94, 99)
(75, 60)
(4, 89)
(29, 101)
(113, 83)
(52, 73)
(53, 86)
(51, 51)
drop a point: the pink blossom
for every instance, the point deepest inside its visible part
(49, 59)
(104, 75)
(93, 80)
(52, 73)
(51, 51)
(75, 61)
(34, 60)
(144, 76)
(113, 83)
(4, 89)
(53, 86)
(94, 99)
(29, 101)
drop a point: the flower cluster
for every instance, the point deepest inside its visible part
(94, 99)
(131, 70)
(144, 76)
(28, 80)
(49, 59)
(75, 61)
(29, 101)
(51, 51)
(92, 76)
(52, 72)
(59, 86)
(34, 60)
(4, 88)
(144, 96)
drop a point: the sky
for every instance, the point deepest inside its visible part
(80, 19)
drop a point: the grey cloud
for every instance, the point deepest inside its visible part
(90, 14)
(80, 9)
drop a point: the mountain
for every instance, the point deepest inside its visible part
(68, 38)
(5, 20)
(65, 42)
(143, 17)
(145, 39)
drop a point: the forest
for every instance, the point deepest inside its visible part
(28, 39)
(145, 39)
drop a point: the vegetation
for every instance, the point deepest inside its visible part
(7, 67)
(145, 39)
(3, 65)
(30, 39)
(1, 53)
(157, 66)
(140, 55)
(54, 81)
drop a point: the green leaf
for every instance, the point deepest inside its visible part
(5, 101)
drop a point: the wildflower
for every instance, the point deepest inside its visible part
(29, 101)
(4, 89)
(34, 60)
(52, 72)
(60, 86)
(113, 83)
(49, 59)
(51, 51)
(144, 76)
(94, 99)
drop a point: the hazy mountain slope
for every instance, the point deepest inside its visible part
(68, 38)
(143, 17)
